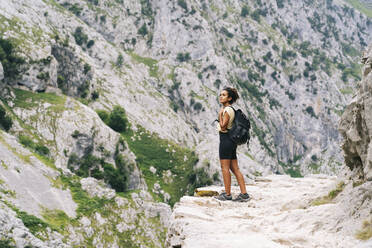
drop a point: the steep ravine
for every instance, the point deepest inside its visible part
(106, 109)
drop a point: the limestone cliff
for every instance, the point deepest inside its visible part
(356, 125)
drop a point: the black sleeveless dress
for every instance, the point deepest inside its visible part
(227, 149)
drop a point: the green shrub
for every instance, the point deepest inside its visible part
(118, 120)
(143, 30)
(310, 111)
(95, 2)
(216, 176)
(103, 19)
(26, 141)
(104, 115)
(280, 4)
(95, 95)
(37, 147)
(226, 32)
(92, 166)
(6, 243)
(80, 37)
(290, 95)
(87, 68)
(43, 76)
(119, 60)
(256, 15)
(288, 54)
(5, 121)
(146, 8)
(198, 106)
(90, 43)
(83, 89)
(199, 178)
(183, 4)
(245, 11)
(10, 61)
(268, 57)
(274, 103)
(76, 9)
(217, 83)
(183, 57)
(42, 150)
(33, 223)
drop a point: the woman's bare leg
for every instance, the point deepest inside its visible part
(225, 166)
(239, 176)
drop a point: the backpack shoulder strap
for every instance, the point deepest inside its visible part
(232, 108)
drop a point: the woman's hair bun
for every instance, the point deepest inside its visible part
(233, 93)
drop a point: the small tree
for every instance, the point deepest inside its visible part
(119, 60)
(245, 11)
(183, 4)
(80, 37)
(118, 120)
(5, 121)
(143, 30)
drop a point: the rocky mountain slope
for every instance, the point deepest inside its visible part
(109, 104)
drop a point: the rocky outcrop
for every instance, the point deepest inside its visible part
(356, 125)
(282, 212)
(74, 77)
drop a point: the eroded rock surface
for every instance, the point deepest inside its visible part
(356, 125)
(281, 213)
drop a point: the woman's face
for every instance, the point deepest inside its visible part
(224, 97)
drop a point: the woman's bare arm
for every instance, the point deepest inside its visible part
(224, 120)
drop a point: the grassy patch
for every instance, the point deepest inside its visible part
(357, 183)
(331, 195)
(86, 205)
(347, 91)
(291, 169)
(366, 232)
(151, 63)
(6, 243)
(58, 220)
(27, 99)
(164, 155)
(364, 8)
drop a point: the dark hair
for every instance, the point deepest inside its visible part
(233, 93)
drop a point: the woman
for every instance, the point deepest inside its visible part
(227, 150)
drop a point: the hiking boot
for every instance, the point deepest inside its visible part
(223, 197)
(242, 198)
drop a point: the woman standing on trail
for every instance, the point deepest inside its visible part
(227, 149)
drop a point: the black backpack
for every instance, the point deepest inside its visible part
(239, 132)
